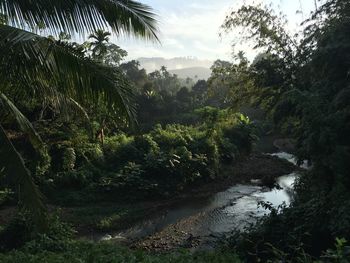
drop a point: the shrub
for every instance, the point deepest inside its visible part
(172, 136)
(19, 233)
(119, 150)
(91, 152)
(74, 179)
(145, 144)
(15, 234)
(57, 239)
(69, 159)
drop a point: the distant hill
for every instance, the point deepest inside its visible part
(195, 73)
(152, 64)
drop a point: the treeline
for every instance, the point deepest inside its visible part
(164, 98)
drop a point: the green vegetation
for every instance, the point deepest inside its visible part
(88, 252)
(159, 163)
(167, 158)
(96, 138)
(45, 70)
(302, 82)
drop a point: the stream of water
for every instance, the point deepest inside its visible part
(224, 212)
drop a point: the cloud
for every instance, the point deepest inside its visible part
(182, 28)
(191, 28)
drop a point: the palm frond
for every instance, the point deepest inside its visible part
(123, 16)
(69, 108)
(22, 121)
(47, 67)
(29, 195)
(100, 36)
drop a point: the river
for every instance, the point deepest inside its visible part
(203, 221)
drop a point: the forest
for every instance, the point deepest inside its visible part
(103, 161)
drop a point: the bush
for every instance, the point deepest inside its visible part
(15, 234)
(57, 239)
(119, 150)
(242, 134)
(317, 217)
(172, 136)
(20, 233)
(74, 179)
(145, 144)
(91, 152)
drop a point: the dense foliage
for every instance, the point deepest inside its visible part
(78, 126)
(160, 162)
(58, 74)
(303, 83)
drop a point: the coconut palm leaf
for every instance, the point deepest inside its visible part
(58, 72)
(123, 16)
(45, 67)
(29, 194)
(69, 108)
(24, 124)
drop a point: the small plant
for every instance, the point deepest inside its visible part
(341, 253)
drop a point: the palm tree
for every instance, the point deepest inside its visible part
(56, 71)
(99, 46)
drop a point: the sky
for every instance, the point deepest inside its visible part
(191, 28)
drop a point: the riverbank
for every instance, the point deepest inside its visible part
(100, 219)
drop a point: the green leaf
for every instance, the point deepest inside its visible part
(22, 121)
(52, 69)
(29, 195)
(123, 16)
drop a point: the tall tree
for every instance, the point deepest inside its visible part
(99, 45)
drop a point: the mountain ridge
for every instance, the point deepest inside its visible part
(184, 67)
(154, 63)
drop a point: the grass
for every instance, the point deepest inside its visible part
(85, 252)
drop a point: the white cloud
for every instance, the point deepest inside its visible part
(191, 28)
(191, 31)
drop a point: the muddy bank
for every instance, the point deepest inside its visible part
(263, 167)
(258, 166)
